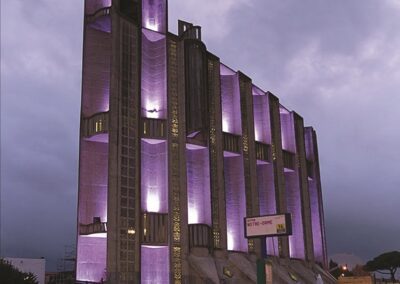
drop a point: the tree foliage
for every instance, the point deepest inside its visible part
(359, 270)
(11, 275)
(388, 261)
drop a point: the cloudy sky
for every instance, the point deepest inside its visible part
(337, 63)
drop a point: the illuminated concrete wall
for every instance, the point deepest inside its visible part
(154, 75)
(267, 199)
(293, 194)
(287, 130)
(198, 185)
(154, 177)
(262, 123)
(235, 202)
(93, 182)
(315, 197)
(233, 163)
(91, 259)
(293, 199)
(96, 72)
(316, 221)
(265, 171)
(155, 265)
(230, 101)
(93, 168)
(154, 15)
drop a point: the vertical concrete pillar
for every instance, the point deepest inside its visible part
(249, 155)
(303, 182)
(277, 160)
(218, 209)
(315, 192)
(178, 214)
(123, 246)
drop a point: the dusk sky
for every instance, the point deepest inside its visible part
(336, 63)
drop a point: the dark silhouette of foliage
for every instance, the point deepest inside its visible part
(11, 275)
(64, 277)
(387, 261)
(359, 270)
(337, 270)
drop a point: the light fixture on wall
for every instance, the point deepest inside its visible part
(152, 110)
(193, 215)
(230, 240)
(153, 202)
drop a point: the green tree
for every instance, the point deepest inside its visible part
(387, 261)
(11, 275)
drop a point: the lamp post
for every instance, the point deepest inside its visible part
(340, 270)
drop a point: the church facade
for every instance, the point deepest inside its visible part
(176, 149)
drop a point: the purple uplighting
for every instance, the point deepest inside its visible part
(316, 222)
(154, 15)
(198, 184)
(199, 170)
(154, 75)
(315, 199)
(96, 72)
(102, 138)
(91, 251)
(266, 189)
(230, 97)
(293, 199)
(287, 130)
(154, 181)
(91, 259)
(262, 129)
(155, 265)
(235, 203)
(267, 200)
(265, 174)
(293, 195)
(93, 170)
(93, 182)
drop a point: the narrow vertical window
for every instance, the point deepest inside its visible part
(99, 126)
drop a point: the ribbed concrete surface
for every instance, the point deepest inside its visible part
(242, 269)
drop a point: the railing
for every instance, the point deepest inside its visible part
(263, 152)
(93, 228)
(288, 160)
(200, 236)
(153, 128)
(155, 228)
(231, 142)
(99, 13)
(96, 124)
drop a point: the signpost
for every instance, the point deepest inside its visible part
(268, 226)
(263, 227)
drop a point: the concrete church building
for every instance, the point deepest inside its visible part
(176, 149)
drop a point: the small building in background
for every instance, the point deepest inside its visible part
(36, 266)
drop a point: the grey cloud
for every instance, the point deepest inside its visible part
(41, 55)
(334, 62)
